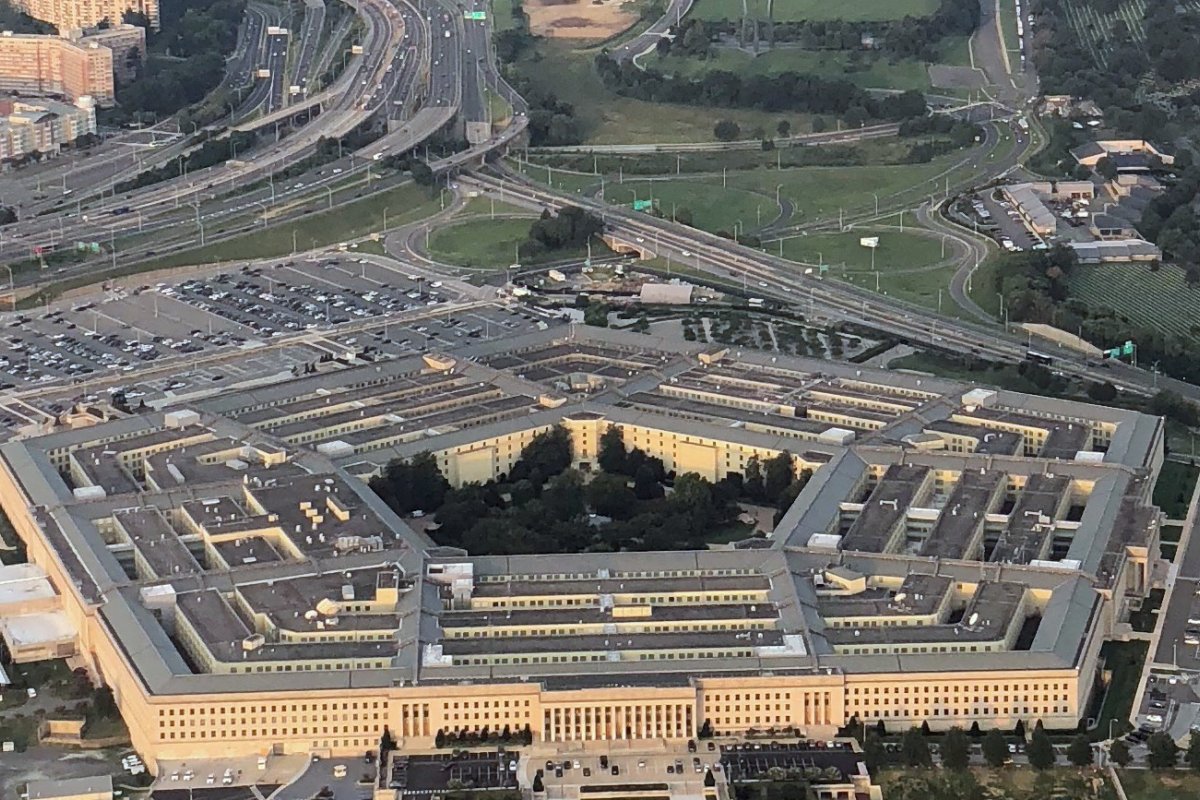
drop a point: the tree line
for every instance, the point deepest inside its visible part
(787, 91)
(909, 37)
(544, 506)
(185, 57)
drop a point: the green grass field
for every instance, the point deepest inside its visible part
(872, 72)
(713, 208)
(844, 252)
(818, 192)
(1008, 26)
(405, 203)
(607, 118)
(794, 10)
(479, 243)
(1173, 491)
(1160, 300)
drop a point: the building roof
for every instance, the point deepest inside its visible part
(69, 787)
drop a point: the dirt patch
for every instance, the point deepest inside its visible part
(946, 77)
(579, 19)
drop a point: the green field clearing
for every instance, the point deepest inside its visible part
(477, 206)
(607, 118)
(873, 72)
(795, 10)
(1160, 300)
(818, 192)
(921, 288)
(502, 18)
(1008, 26)
(570, 182)
(479, 243)
(406, 203)
(842, 251)
(713, 208)
(1173, 491)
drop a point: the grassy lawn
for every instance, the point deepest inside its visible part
(501, 110)
(405, 203)
(713, 208)
(955, 51)
(607, 118)
(983, 287)
(1144, 618)
(872, 70)
(1060, 783)
(842, 251)
(794, 10)
(476, 206)
(557, 179)
(502, 19)
(1173, 491)
(479, 243)
(921, 288)
(1008, 26)
(1140, 784)
(1125, 659)
(1161, 300)
(818, 192)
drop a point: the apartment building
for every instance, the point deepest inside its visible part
(73, 14)
(50, 65)
(42, 126)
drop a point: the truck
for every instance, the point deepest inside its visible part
(756, 302)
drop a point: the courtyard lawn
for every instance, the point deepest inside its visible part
(794, 10)
(1140, 784)
(1173, 491)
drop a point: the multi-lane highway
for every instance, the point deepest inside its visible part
(310, 36)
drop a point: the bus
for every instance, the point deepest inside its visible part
(1038, 358)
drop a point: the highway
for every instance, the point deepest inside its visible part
(648, 39)
(783, 281)
(276, 66)
(310, 36)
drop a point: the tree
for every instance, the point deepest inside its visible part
(596, 315)
(1041, 750)
(818, 124)
(1019, 730)
(706, 731)
(874, 753)
(709, 780)
(956, 750)
(538, 786)
(915, 749)
(612, 456)
(608, 495)
(8, 215)
(752, 479)
(645, 483)
(783, 128)
(387, 741)
(975, 732)
(439, 740)
(726, 130)
(1079, 752)
(778, 473)
(995, 748)
(1163, 751)
(1103, 392)
(683, 215)
(1106, 168)
(1119, 753)
(549, 453)
(1193, 752)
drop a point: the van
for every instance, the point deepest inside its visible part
(262, 762)
(339, 771)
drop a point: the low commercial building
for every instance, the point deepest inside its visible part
(1089, 154)
(97, 788)
(243, 592)
(1119, 250)
(42, 126)
(49, 65)
(1039, 219)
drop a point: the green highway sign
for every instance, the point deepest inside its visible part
(1126, 349)
(643, 205)
(479, 16)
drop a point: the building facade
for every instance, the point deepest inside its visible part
(41, 65)
(42, 126)
(73, 14)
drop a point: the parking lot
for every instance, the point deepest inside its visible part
(418, 776)
(154, 341)
(752, 760)
(1007, 222)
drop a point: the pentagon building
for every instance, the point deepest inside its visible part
(958, 556)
